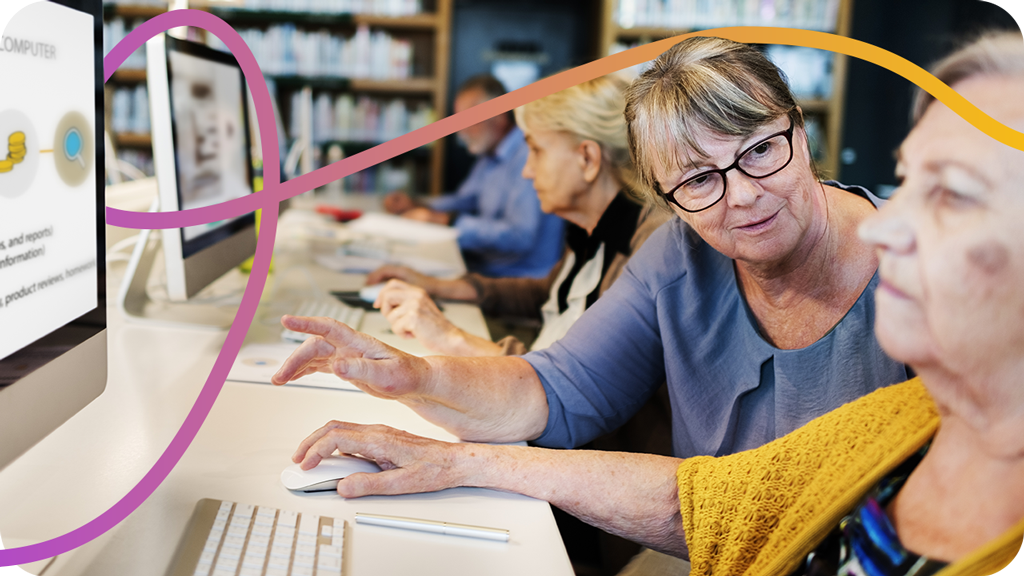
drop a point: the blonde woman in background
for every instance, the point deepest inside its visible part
(579, 164)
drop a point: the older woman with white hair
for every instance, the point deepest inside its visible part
(580, 166)
(924, 477)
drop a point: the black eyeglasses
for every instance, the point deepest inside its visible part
(767, 157)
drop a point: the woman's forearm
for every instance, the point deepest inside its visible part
(458, 342)
(457, 289)
(630, 495)
(482, 399)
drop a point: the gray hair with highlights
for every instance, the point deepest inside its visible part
(701, 85)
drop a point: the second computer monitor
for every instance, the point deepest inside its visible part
(201, 152)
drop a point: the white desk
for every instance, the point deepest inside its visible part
(89, 463)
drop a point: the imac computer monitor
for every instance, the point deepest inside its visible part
(201, 153)
(53, 347)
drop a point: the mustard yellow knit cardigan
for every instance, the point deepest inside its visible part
(762, 511)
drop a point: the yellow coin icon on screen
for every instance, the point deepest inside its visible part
(19, 154)
(73, 149)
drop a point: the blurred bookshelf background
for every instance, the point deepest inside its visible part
(346, 75)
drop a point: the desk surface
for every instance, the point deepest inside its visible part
(155, 375)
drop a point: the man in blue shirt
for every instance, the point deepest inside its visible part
(502, 231)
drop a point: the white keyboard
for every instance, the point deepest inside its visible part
(332, 308)
(229, 539)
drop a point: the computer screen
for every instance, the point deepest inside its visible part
(202, 156)
(52, 268)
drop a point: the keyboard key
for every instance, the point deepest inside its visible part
(256, 550)
(229, 555)
(282, 563)
(251, 571)
(302, 560)
(309, 524)
(302, 571)
(259, 540)
(305, 550)
(286, 518)
(202, 569)
(244, 510)
(329, 562)
(332, 551)
(276, 571)
(281, 552)
(253, 561)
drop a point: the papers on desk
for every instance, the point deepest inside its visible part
(258, 362)
(402, 229)
(351, 264)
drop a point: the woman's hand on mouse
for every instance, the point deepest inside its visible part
(410, 464)
(366, 362)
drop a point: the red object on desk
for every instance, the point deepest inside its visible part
(339, 214)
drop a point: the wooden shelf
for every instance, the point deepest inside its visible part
(814, 105)
(133, 140)
(132, 11)
(425, 21)
(647, 32)
(409, 86)
(415, 22)
(129, 76)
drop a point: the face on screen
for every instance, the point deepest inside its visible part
(209, 139)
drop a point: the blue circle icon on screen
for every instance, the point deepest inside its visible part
(73, 146)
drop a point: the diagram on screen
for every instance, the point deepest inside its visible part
(72, 150)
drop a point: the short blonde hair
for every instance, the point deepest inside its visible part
(991, 54)
(593, 111)
(701, 84)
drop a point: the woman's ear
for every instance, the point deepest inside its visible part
(590, 159)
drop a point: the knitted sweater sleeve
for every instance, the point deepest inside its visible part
(762, 511)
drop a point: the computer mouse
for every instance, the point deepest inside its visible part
(369, 293)
(325, 475)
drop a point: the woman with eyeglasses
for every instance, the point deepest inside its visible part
(754, 303)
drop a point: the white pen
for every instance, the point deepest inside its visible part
(449, 528)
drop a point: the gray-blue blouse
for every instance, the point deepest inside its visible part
(677, 314)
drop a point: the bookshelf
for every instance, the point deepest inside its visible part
(628, 23)
(411, 92)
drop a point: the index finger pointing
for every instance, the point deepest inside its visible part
(331, 330)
